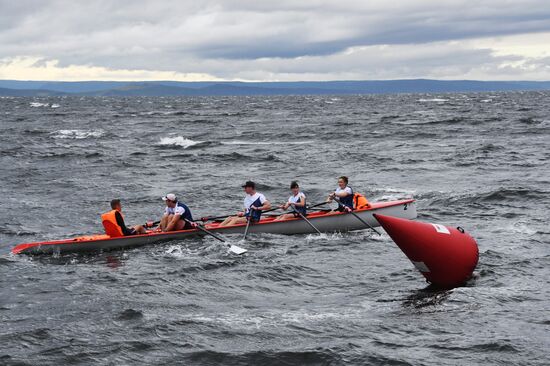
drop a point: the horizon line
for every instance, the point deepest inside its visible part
(270, 81)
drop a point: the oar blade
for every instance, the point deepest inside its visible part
(237, 250)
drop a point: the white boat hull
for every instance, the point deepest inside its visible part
(325, 222)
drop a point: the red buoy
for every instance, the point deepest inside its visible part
(446, 256)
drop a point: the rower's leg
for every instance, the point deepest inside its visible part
(284, 217)
(140, 229)
(165, 220)
(226, 221)
(238, 220)
(179, 225)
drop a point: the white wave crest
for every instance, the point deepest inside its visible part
(38, 104)
(392, 197)
(242, 142)
(175, 251)
(323, 236)
(440, 100)
(55, 105)
(77, 134)
(178, 141)
(185, 142)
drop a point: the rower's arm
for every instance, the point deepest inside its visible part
(302, 203)
(265, 206)
(120, 222)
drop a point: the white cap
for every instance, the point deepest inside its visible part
(170, 197)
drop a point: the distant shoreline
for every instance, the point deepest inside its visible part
(236, 88)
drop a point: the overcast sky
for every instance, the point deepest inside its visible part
(274, 40)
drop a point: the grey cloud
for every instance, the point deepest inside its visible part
(187, 36)
(371, 63)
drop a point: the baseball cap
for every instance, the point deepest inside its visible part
(170, 197)
(250, 184)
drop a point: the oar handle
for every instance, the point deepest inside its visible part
(151, 223)
(337, 200)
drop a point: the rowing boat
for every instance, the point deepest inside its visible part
(325, 221)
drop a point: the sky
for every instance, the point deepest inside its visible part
(274, 40)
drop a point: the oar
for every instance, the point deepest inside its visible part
(247, 226)
(249, 218)
(233, 248)
(271, 209)
(357, 216)
(151, 224)
(306, 220)
(213, 218)
(318, 204)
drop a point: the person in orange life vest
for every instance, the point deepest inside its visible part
(254, 203)
(297, 201)
(344, 193)
(175, 215)
(113, 221)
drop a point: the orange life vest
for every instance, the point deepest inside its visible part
(112, 229)
(360, 201)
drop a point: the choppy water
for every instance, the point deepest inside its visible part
(475, 160)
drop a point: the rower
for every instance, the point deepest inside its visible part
(297, 201)
(177, 216)
(344, 193)
(254, 204)
(113, 222)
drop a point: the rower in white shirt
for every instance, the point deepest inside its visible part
(177, 216)
(297, 201)
(344, 193)
(254, 204)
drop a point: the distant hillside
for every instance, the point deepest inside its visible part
(28, 92)
(175, 88)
